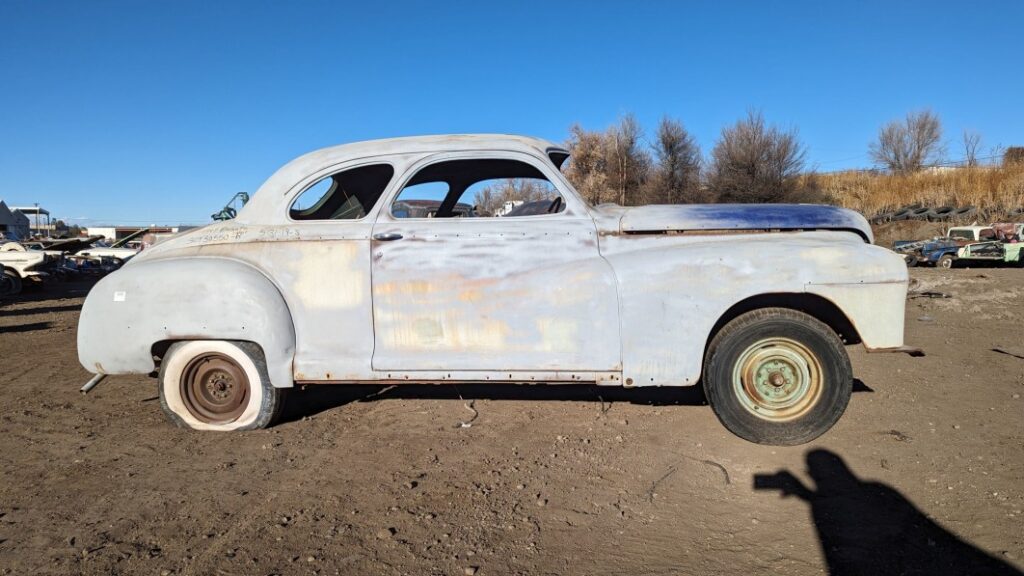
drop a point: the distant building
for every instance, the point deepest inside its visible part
(115, 233)
(507, 207)
(38, 219)
(13, 223)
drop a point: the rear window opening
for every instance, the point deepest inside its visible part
(346, 195)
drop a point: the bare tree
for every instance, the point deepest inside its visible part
(675, 177)
(587, 169)
(972, 141)
(909, 145)
(609, 166)
(627, 162)
(754, 162)
(1013, 156)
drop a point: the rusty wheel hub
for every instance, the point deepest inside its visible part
(777, 379)
(214, 388)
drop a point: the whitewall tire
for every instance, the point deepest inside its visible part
(218, 385)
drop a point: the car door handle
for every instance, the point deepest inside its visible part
(387, 236)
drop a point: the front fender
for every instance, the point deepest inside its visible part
(674, 289)
(132, 309)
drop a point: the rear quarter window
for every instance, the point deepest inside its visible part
(346, 195)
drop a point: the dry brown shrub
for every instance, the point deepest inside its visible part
(990, 189)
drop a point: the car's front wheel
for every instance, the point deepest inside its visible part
(218, 385)
(11, 283)
(777, 376)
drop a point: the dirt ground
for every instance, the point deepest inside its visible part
(923, 474)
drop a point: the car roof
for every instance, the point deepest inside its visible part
(412, 145)
(437, 143)
(264, 203)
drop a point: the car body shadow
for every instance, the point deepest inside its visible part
(39, 310)
(868, 527)
(316, 398)
(52, 291)
(24, 327)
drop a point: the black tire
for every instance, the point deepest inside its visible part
(882, 218)
(919, 214)
(818, 408)
(904, 212)
(945, 261)
(249, 359)
(13, 282)
(965, 212)
(911, 260)
(940, 214)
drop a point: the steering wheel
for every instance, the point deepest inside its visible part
(556, 204)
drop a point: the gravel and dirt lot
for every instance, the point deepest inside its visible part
(923, 475)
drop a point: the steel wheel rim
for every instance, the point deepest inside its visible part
(214, 388)
(777, 379)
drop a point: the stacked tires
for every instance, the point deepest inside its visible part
(933, 214)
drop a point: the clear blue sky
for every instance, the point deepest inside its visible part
(134, 111)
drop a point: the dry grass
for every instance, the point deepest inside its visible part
(992, 190)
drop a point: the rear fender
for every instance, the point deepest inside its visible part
(148, 302)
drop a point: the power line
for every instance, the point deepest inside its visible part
(948, 163)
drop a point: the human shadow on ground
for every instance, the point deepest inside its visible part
(870, 528)
(317, 398)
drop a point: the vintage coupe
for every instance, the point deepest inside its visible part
(320, 279)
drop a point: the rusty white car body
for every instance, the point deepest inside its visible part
(606, 294)
(23, 265)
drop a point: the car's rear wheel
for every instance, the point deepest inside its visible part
(777, 376)
(218, 385)
(945, 261)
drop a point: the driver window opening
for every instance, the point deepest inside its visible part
(478, 188)
(346, 195)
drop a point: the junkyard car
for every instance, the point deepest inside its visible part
(22, 265)
(320, 279)
(966, 245)
(974, 233)
(995, 252)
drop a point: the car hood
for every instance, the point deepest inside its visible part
(687, 217)
(107, 251)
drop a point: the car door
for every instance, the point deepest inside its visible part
(525, 295)
(320, 260)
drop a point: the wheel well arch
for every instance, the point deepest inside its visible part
(813, 305)
(160, 347)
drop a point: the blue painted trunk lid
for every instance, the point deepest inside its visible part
(686, 217)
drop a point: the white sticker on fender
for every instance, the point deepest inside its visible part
(120, 296)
